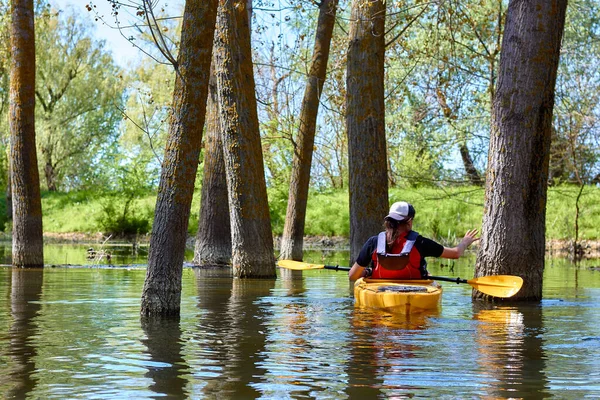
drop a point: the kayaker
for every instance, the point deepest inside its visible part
(399, 252)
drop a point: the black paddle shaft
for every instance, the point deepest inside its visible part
(442, 278)
(435, 278)
(337, 268)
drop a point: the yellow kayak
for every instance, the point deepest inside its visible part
(401, 297)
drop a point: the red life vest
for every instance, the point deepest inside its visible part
(402, 252)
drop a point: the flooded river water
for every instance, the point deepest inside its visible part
(75, 332)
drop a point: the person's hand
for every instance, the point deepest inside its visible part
(470, 237)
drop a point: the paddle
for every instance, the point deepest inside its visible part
(494, 285)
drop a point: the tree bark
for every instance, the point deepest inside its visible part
(27, 241)
(162, 287)
(213, 239)
(292, 241)
(251, 236)
(365, 122)
(9, 206)
(513, 232)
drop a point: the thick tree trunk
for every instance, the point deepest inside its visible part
(27, 244)
(162, 287)
(292, 241)
(213, 239)
(513, 233)
(9, 206)
(365, 122)
(252, 239)
(472, 173)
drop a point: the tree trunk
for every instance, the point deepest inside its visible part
(513, 232)
(162, 287)
(365, 122)
(470, 169)
(251, 236)
(27, 243)
(213, 239)
(9, 205)
(292, 240)
(50, 174)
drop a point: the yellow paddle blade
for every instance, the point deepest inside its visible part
(497, 285)
(298, 265)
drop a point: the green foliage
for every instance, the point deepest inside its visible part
(561, 212)
(278, 199)
(148, 106)
(119, 217)
(328, 214)
(90, 212)
(79, 93)
(3, 217)
(441, 213)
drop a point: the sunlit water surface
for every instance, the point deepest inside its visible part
(75, 332)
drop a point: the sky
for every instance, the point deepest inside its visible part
(123, 52)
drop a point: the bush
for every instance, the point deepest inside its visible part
(123, 220)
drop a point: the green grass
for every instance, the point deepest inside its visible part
(447, 213)
(443, 214)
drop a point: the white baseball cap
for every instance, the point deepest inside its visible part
(401, 211)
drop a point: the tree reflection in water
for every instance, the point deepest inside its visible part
(167, 367)
(26, 290)
(231, 332)
(511, 350)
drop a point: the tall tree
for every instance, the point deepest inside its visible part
(513, 232)
(162, 287)
(292, 240)
(213, 239)
(27, 243)
(75, 124)
(365, 122)
(251, 236)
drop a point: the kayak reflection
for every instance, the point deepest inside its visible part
(387, 340)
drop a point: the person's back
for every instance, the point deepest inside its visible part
(399, 252)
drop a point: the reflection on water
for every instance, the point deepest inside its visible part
(511, 350)
(26, 287)
(232, 326)
(167, 367)
(77, 332)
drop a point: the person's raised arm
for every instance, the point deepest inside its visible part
(356, 272)
(457, 252)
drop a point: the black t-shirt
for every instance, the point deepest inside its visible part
(426, 247)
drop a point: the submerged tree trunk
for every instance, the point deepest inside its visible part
(513, 232)
(365, 122)
(251, 236)
(292, 240)
(27, 240)
(162, 287)
(213, 239)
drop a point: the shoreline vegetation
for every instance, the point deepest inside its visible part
(443, 213)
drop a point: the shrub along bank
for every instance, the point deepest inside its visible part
(442, 213)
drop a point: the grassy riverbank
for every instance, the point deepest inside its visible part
(442, 213)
